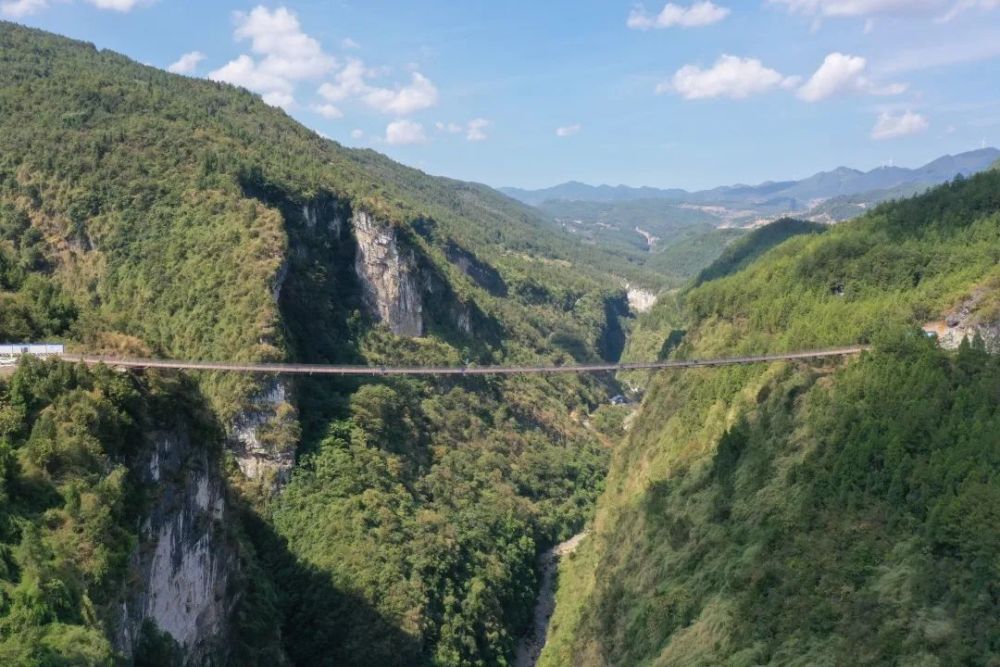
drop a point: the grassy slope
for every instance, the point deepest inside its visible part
(818, 515)
(155, 211)
(136, 177)
(655, 334)
(742, 252)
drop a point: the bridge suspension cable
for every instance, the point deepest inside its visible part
(331, 369)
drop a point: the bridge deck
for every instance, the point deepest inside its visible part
(327, 369)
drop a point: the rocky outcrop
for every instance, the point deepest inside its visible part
(529, 648)
(264, 435)
(388, 274)
(180, 569)
(639, 300)
(479, 271)
(324, 212)
(968, 320)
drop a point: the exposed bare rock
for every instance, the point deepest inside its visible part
(182, 563)
(264, 435)
(639, 300)
(479, 271)
(530, 647)
(967, 320)
(388, 276)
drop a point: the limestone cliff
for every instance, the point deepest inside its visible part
(640, 300)
(263, 436)
(388, 276)
(180, 570)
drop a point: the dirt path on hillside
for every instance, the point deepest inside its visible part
(531, 645)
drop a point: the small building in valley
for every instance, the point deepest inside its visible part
(10, 352)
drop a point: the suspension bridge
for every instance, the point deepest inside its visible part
(357, 370)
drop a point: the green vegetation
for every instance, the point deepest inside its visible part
(440, 526)
(686, 238)
(752, 515)
(741, 253)
(822, 514)
(70, 505)
(145, 213)
(684, 257)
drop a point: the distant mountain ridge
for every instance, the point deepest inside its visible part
(794, 194)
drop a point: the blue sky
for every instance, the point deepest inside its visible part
(686, 94)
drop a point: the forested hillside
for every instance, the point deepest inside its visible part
(357, 522)
(821, 514)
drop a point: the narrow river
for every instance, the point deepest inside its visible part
(531, 645)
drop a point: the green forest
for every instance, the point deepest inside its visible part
(144, 213)
(820, 513)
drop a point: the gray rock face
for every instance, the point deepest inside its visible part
(639, 300)
(967, 321)
(180, 568)
(261, 437)
(479, 271)
(388, 276)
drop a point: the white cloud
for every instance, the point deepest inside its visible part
(116, 5)
(18, 8)
(568, 130)
(890, 126)
(279, 99)
(980, 46)
(853, 8)
(699, 14)
(187, 63)
(845, 8)
(327, 111)
(731, 77)
(357, 134)
(419, 94)
(287, 55)
(347, 43)
(841, 73)
(245, 72)
(351, 82)
(287, 50)
(476, 128)
(401, 132)
(966, 5)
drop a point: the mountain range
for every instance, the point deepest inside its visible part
(833, 512)
(791, 195)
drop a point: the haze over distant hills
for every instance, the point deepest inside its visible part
(669, 227)
(792, 195)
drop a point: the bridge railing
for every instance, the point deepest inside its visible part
(330, 369)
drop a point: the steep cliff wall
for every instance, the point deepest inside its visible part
(264, 435)
(481, 273)
(388, 276)
(182, 565)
